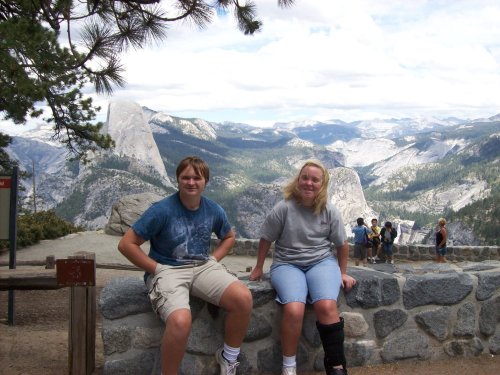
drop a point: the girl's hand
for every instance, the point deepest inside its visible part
(348, 282)
(256, 274)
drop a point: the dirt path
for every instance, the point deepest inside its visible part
(38, 343)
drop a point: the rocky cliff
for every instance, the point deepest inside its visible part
(127, 125)
(404, 168)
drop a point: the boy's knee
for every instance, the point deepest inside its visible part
(245, 299)
(237, 297)
(180, 320)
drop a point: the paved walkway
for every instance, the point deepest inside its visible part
(105, 248)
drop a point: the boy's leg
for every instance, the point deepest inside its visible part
(374, 252)
(357, 254)
(174, 311)
(214, 284)
(364, 251)
(174, 341)
(237, 301)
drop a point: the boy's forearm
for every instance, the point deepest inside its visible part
(224, 246)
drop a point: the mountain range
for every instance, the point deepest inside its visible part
(410, 171)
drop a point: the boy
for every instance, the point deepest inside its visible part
(179, 228)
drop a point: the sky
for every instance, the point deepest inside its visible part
(324, 59)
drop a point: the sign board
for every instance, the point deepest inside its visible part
(75, 272)
(5, 188)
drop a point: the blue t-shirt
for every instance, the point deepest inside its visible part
(359, 233)
(179, 236)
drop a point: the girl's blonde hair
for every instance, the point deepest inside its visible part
(291, 190)
(442, 220)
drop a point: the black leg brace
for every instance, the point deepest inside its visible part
(332, 338)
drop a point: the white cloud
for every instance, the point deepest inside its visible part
(327, 59)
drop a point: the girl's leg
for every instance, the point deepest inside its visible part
(332, 338)
(323, 281)
(290, 284)
(291, 327)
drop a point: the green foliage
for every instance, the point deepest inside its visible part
(35, 68)
(6, 163)
(73, 205)
(115, 163)
(43, 225)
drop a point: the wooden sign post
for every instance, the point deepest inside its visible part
(78, 272)
(5, 187)
(8, 226)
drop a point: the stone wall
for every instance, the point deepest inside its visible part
(401, 252)
(419, 310)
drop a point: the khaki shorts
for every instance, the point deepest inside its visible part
(169, 288)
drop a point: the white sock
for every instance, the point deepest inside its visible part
(230, 353)
(290, 361)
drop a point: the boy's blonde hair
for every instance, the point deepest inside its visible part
(199, 166)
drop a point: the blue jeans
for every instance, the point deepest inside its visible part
(387, 248)
(307, 284)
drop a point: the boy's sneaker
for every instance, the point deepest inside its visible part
(376, 258)
(392, 261)
(338, 371)
(289, 371)
(226, 368)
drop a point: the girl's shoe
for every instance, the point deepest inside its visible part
(289, 371)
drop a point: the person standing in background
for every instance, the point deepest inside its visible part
(361, 234)
(375, 236)
(387, 235)
(441, 237)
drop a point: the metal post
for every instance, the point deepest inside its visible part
(34, 186)
(12, 241)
